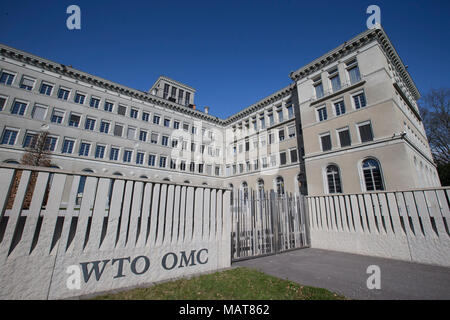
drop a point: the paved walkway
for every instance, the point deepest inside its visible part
(345, 273)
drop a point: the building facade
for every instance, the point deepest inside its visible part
(348, 122)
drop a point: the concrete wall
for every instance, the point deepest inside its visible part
(406, 225)
(122, 233)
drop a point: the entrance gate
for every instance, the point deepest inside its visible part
(266, 223)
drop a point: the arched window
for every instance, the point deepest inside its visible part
(333, 179)
(279, 186)
(372, 175)
(244, 191)
(232, 193)
(260, 185)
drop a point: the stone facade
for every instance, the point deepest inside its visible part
(371, 136)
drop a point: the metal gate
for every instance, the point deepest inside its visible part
(265, 223)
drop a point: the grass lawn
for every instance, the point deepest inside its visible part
(234, 284)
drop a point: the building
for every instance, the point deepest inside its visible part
(347, 122)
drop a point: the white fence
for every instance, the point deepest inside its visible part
(408, 225)
(77, 234)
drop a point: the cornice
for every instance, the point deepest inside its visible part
(78, 75)
(376, 34)
(280, 94)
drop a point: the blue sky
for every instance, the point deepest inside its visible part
(233, 52)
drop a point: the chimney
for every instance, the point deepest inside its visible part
(206, 110)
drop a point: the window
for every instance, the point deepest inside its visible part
(167, 123)
(131, 133)
(365, 132)
(180, 96)
(27, 83)
(183, 165)
(118, 129)
(114, 154)
(173, 92)
(280, 115)
(94, 103)
(89, 124)
(174, 143)
(84, 149)
(273, 160)
(173, 164)
(165, 141)
(372, 175)
(359, 100)
(57, 116)
(6, 78)
(68, 146)
(30, 140)
(188, 98)
(122, 110)
(281, 135)
(279, 186)
(344, 137)
(271, 120)
(2, 102)
(263, 122)
(99, 152)
(140, 158)
(322, 113)
(325, 140)
(271, 138)
(146, 116)
(335, 80)
(294, 156)
(9, 137)
(108, 106)
(186, 127)
(353, 71)
(291, 131)
(333, 179)
(156, 119)
(260, 186)
(134, 113)
(339, 107)
(50, 144)
(127, 155)
(256, 164)
(318, 88)
(283, 160)
(39, 112)
(176, 125)
(192, 167)
(74, 120)
(162, 161)
(264, 162)
(63, 94)
(247, 145)
(143, 135)
(200, 168)
(217, 171)
(79, 98)
(194, 130)
(290, 110)
(151, 160)
(18, 108)
(154, 138)
(166, 91)
(244, 191)
(104, 127)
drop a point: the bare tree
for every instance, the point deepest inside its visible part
(37, 153)
(435, 112)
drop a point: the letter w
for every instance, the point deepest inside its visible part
(98, 273)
